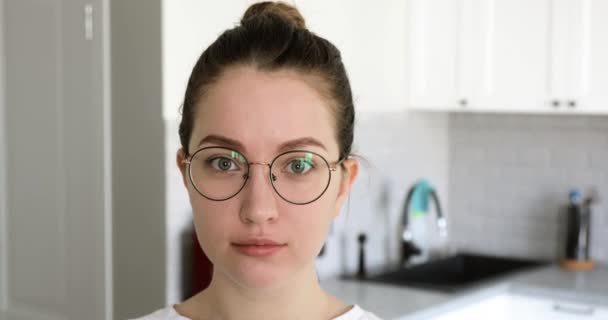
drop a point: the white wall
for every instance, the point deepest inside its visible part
(400, 146)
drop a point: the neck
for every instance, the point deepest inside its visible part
(298, 298)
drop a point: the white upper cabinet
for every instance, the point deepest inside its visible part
(371, 40)
(508, 55)
(432, 64)
(509, 46)
(589, 59)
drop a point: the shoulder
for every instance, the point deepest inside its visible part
(356, 313)
(168, 313)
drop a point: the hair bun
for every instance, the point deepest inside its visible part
(282, 9)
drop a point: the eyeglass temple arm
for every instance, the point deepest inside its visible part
(334, 166)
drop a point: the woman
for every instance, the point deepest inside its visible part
(266, 135)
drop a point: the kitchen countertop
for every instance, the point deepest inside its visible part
(588, 286)
(396, 302)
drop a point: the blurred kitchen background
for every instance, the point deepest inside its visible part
(501, 105)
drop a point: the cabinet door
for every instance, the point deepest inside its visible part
(589, 88)
(561, 70)
(371, 40)
(510, 54)
(54, 258)
(433, 56)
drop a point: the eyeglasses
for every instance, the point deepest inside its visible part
(298, 176)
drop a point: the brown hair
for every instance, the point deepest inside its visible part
(273, 36)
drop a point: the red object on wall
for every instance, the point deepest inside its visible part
(202, 269)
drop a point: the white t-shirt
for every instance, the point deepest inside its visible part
(169, 313)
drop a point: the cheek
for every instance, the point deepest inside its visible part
(212, 221)
(323, 209)
(310, 223)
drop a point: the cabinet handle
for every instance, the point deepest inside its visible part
(555, 103)
(463, 102)
(88, 22)
(572, 104)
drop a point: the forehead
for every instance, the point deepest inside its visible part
(264, 109)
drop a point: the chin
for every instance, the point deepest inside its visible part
(261, 277)
(264, 273)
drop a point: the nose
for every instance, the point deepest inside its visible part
(259, 203)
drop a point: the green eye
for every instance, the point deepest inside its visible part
(223, 164)
(300, 166)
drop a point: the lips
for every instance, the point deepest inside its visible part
(257, 242)
(258, 247)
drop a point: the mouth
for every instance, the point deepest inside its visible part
(258, 247)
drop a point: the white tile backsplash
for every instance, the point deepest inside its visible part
(510, 176)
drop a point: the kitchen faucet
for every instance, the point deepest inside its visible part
(418, 197)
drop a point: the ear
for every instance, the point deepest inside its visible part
(350, 169)
(180, 157)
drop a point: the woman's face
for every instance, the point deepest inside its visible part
(265, 113)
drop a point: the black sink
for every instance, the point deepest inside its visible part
(455, 273)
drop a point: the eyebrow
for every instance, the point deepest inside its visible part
(285, 146)
(221, 140)
(300, 142)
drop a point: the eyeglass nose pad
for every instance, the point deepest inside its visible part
(273, 177)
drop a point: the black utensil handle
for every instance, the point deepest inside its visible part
(361, 272)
